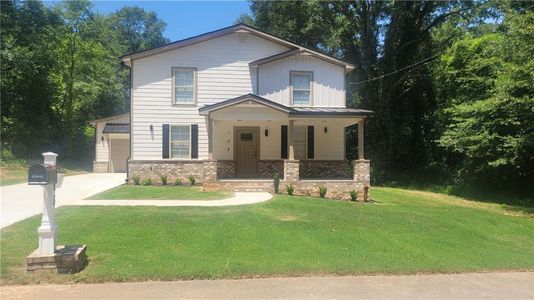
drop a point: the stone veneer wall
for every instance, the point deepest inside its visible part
(267, 168)
(326, 169)
(100, 166)
(225, 169)
(174, 169)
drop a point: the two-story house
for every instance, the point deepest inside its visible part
(232, 107)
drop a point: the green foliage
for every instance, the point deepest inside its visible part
(164, 179)
(178, 181)
(60, 70)
(353, 195)
(322, 191)
(276, 182)
(136, 179)
(488, 105)
(147, 182)
(289, 189)
(191, 179)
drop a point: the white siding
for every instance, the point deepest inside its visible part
(102, 145)
(222, 73)
(328, 88)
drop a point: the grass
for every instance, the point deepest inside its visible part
(403, 232)
(16, 171)
(168, 192)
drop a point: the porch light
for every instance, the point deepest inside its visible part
(151, 128)
(325, 129)
(102, 138)
(266, 132)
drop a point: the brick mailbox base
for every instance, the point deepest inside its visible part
(66, 259)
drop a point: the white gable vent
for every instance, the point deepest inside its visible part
(243, 37)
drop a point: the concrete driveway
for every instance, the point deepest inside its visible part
(20, 201)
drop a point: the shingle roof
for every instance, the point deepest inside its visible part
(116, 128)
(291, 111)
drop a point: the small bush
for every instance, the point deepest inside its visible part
(164, 179)
(276, 182)
(322, 191)
(136, 180)
(178, 181)
(353, 195)
(289, 189)
(147, 182)
(192, 180)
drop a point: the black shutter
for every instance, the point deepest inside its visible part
(311, 142)
(165, 146)
(283, 143)
(194, 141)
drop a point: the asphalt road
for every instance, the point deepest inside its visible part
(516, 285)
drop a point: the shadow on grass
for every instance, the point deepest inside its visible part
(509, 201)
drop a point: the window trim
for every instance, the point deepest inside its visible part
(173, 85)
(170, 141)
(312, 83)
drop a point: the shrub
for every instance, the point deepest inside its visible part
(322, 191)
(289, 189)
(178, 181)
(192, 179)
(147, 182)
(353, 195)
(276, 182)
(136, 179)
(164, 179)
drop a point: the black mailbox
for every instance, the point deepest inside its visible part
(39, 174)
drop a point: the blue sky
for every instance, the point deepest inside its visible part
(185, 18)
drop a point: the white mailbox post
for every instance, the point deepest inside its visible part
(50, 256)
(47, 230)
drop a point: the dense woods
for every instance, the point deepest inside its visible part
(452, 83)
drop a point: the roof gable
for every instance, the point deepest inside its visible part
(239, 28)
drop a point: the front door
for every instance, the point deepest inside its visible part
(246, 154)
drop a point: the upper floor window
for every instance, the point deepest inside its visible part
(184, 85)
(301, 88)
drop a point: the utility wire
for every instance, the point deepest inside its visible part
(415, 65)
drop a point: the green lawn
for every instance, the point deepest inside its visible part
(16, 171)
(167, 192)
(403, 232)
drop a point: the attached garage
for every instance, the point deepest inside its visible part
(112, 144)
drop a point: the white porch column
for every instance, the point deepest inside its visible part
(210, 137)
(291, 127)
(360, 139)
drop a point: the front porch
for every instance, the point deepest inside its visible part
(250, 139)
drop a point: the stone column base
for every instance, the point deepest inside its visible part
(362, 176)
(210, 170)
(291, 170)
(66, 259)
(100, 166)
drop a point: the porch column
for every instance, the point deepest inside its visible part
(290, 129)
(210, 137)
(360, 139)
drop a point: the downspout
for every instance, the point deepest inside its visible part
(131, 110)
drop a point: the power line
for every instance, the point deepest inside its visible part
(415, 65)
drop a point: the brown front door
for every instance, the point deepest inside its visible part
(247, 151)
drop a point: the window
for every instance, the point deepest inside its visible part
(301, 87)
(184, 85)
(180, 141)
(299, 142)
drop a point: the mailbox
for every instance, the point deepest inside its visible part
(39, 174)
